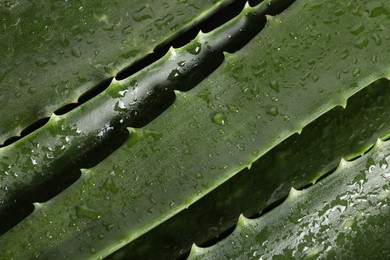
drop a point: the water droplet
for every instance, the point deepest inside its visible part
(356, 72)
(164, 22)
(120, 106)
(275, 85)
(174, 75)
(377, 39)
(87, 212)
(142, 14)
(199, 176)
(273, 111)
(108, 226)
(41, 62)
(31, 90)
(348, 224)
(152, 200)
(194, 48)
(315, 78)
(255, 153)
(241, 147)
(76, 52)
(374, 58)
(344, 53)
(232, 109)
(357, 29)
(361, 43)
(219, 118)
(305, 76)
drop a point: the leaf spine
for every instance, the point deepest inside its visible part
(242, 221)
(293, 194)
(195, 250)
(37, 205)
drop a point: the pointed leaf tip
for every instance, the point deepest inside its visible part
(248, 166)
(201, 35)
(269, 17)
(37, 205)
(195, 250)
(242, 220)
(343, 104)
(132, 130)
(342, 165)
(379, 143)
(115, 81)
(84, 171)
(225, 54)
(178, 93)
(54, 118)
(247, 7)
(293, 193)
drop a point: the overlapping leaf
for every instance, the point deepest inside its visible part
(67, 141)
(297, 162)
(301, 66)
(346, 215)
(54, 52)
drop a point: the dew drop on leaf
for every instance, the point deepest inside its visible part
(194, 48)
(174, 75)
(241, 147)
(273, 111)
(275, 85)
(84, 211)
(219, 118)
(232, 109)
(199, 176)
(356, 72)
(357, 29)
(361, 43)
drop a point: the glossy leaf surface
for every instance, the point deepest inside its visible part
(346, 215)
(296, 162)
(66, 141)
(54, 52)
(298, 68)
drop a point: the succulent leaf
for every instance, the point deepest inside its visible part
(298, 68)
(297, 162)
(67, 141)
(50, 57)
(345, 215)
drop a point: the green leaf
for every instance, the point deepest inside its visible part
(285, 78)
(67, 141)
(53, 53)
(346, 215)
(298, 161)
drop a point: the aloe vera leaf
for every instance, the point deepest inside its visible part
(214, 131)
(346, 215)
(298, 161)
(65, 141)
(52, 53)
